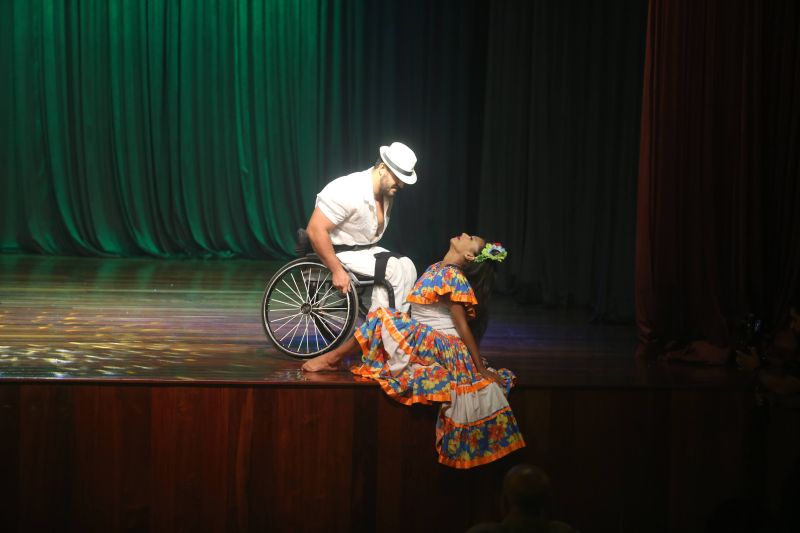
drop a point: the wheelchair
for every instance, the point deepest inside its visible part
(303, 314)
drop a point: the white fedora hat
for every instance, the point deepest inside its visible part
(401, 160)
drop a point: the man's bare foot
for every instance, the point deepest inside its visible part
(321, 363)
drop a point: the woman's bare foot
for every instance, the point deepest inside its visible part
(321, 363)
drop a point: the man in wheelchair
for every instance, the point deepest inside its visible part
(351, 215)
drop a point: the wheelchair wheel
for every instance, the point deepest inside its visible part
(303, 314)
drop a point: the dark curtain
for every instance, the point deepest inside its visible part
(561, 134)
(718, 233)
(205, 128)
(780, 158)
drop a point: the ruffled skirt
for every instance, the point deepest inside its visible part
(415, 363)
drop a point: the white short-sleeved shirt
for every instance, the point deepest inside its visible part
(349, 203)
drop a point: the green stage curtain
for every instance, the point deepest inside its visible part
(205, 128)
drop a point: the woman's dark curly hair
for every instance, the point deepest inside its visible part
(481, 278)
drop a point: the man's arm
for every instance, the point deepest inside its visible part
(319, 228)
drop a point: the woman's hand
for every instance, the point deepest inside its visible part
(493, 376)
(459, 315)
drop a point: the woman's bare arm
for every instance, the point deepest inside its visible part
(459, 314)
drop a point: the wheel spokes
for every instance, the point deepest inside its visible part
(292, 289)
(304, 312)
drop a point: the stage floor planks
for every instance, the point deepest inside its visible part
(157, 320)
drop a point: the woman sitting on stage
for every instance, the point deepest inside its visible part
(434, 356)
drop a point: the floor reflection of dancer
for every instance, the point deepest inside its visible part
(432, 355)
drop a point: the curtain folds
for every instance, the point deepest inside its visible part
(203, 128)
(717, 228)
(166, 128)
(560, 149)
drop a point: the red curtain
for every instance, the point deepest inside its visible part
(718, 232)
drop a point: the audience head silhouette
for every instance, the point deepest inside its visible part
(526, 494)
(526, 489)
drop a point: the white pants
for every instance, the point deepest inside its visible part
(400, 273)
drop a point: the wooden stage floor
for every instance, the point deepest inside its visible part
(142, 395)
(170, 320)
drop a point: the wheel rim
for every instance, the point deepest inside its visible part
(304, 314)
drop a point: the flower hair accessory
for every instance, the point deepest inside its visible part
(493, 251)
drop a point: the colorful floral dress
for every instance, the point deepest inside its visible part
(423, 360)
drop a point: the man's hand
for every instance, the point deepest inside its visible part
(319, 228)
(341, 281)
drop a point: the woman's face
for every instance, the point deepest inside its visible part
(466, 244)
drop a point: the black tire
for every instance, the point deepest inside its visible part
(303, 314)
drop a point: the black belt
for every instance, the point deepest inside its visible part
(351, 247)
